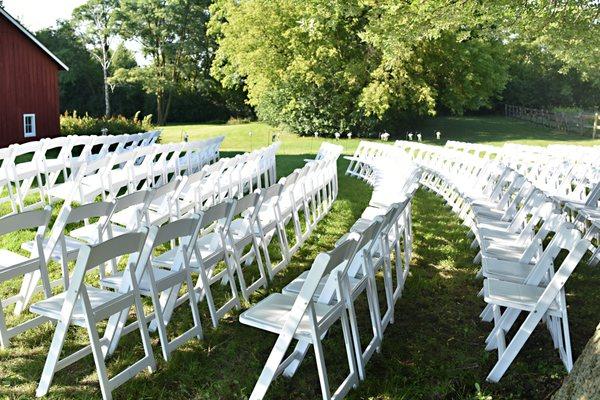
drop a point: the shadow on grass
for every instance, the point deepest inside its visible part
(495, 130)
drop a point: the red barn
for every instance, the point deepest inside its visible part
(29, 108)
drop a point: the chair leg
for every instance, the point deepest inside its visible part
(299, 353)
(160, 325)
(56, 346)
(105, 386)
(193, 301)
(516, 344)
(321, 367)
(4, 337)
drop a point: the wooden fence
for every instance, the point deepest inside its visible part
(579, 123)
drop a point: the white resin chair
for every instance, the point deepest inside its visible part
(546, 302)
(210, 249)
(244, 232)
(61, 247)
(13, 265)
(360, 270)
(128, 215)
(84, 306)
(159, 283)
(24, 173)
(307, 320)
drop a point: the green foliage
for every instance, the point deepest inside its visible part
(357, 65)
(172, 36)
(98, 25)
(539, 81)
(81, 87)
(72, 124)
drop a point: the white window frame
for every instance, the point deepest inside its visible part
(33, 132)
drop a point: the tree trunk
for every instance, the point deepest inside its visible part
(160, 116)
(105, 65)
(584, 381)
(106, 94)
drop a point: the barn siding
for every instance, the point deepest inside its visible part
(28, 85)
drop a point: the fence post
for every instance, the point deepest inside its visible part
(595, 125)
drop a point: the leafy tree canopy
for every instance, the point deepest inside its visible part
(351, 65)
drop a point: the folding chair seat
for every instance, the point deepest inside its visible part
(303, 319)
(525, 250)
(536, 208)
(158, 283)
(244, 232)
(85, 306)
(14, 265)
(210, 249)
(538, 303)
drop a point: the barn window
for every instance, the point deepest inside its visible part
(29, 125)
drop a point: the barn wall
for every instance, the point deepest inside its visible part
(28, 85)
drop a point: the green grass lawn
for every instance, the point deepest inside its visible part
(489, 130)
(434, 350)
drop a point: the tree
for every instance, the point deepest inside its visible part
(97, 23)
(81, 87)
(357, 64)
(172, 37)
(584, 380)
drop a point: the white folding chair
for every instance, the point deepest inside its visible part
(24, 171)
(85, 306)
(13, 265)
(244, 232)
(269, 224)
(307, 320)
(159, 283)
(61, 247)
(547, 302)
(128, 215)
(55, 160)
(210, 249)
(5, 158)
(85, 185)
(360, 270)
